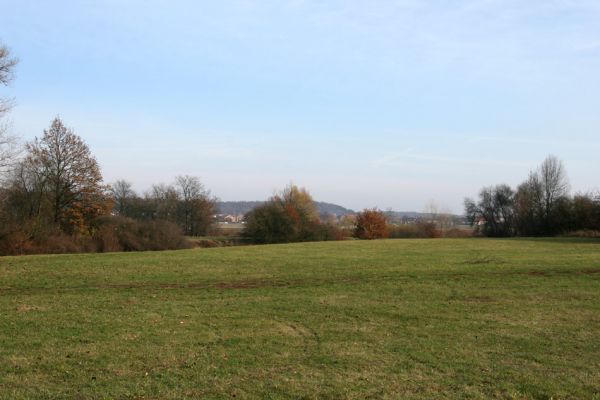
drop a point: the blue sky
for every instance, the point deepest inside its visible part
(366, 103)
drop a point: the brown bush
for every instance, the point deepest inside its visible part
(15, 242)
(404, 232)
(125, 234)
(414, 231)
(371, 224)
(428, 230)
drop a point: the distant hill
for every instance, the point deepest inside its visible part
(243, 207)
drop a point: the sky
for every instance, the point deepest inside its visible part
(389, 104)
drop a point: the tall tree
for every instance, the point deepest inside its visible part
(163, 200)
(71, 177)
(8, 143)
(196, 207)
(123, 195)
(540, 200)
(554, 182)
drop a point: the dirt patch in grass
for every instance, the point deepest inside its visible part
(570, 272)
(252, 284)
(483, 260)
(479, 299)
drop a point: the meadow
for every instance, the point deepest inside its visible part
(423, 318)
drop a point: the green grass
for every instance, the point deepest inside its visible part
(462, 318)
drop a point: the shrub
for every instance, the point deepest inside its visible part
(428, 230)
(458, 233)
(404, 232)
(423, 230)
(371, 224)
(125, 234)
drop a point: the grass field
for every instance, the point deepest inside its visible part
(449, 318)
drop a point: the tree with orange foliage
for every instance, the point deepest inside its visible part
(371, 224)
(69, 178)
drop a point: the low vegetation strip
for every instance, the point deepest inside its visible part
(447, 318)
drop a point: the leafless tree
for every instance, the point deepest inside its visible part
(8, 143)
(553, 181)
(122, 194)
(439, 215)
(539, 199)
(195, 205)
(7, 64)
(162, 200)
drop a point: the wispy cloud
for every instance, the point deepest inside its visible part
(404, 157)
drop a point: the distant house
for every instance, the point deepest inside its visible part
(230, 218)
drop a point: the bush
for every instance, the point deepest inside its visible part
(458, 233)
(269, 223)
(125, 234)
(428, 230)
(404, 232)
(371, 224)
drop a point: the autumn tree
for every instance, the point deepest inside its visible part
(69, 177)
(371, 224)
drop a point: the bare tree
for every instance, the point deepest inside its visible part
(122, 194)
(163, 200)
(8, 143)
(7, 64)
(554, 182)
(439, 215)
(9, 148)
(196, 205)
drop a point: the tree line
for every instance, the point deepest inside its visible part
(53, 198)
(539, 206)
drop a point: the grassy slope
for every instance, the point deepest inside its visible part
(385, 319)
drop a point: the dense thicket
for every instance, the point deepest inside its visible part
(540, 206)
(185, 203)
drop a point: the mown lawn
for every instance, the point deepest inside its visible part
(463, 318)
